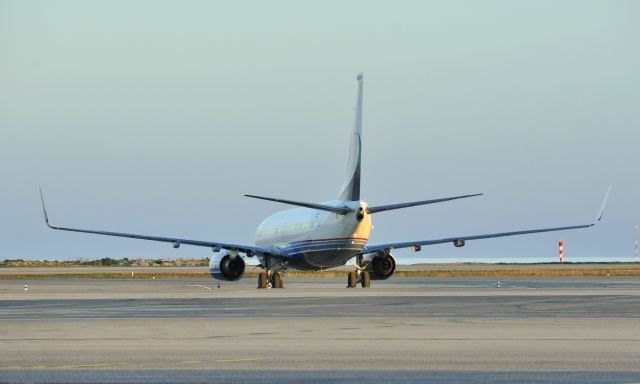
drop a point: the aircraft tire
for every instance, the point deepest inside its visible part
(277, 280)
(365, 279)
(262, 280)
(352, 280)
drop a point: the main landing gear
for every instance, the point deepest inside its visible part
(360, 275)
(270, 279)
(355, 277)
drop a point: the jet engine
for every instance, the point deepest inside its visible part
(226, 266)
(380, 266)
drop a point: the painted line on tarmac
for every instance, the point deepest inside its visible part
(200, 286)
(240, 360)
(237, 360)
(65, 366)
(99, 365)
(106, 365)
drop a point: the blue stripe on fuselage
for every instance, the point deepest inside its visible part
(326, 245)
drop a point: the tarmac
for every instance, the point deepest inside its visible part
(453, 330)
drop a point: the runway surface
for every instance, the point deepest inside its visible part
(536, 330)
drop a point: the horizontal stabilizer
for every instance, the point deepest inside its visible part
(381, 208)
(339, 210)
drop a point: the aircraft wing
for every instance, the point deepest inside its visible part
(459, 240)
(250, 250)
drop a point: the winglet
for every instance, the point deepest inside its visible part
(604, 202)
(44, 210)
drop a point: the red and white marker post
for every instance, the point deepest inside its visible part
(561, 248)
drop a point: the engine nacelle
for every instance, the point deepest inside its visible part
(380, 267)
(226, 266)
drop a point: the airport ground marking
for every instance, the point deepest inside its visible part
(240, 360)
(192, 362)
(65, 366)
(116, 364)
(237, 360)
(201, 286)
(97, 365)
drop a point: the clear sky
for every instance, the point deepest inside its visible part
(155, 117)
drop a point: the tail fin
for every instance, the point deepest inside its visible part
(351, 188)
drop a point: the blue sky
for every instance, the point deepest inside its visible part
(155, 117)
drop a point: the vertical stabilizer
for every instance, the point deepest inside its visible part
(351, 188)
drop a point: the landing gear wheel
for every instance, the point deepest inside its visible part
(365, 279)
(262, 280)
(352, 280)
(277, 280)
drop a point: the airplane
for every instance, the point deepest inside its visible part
(316, 236)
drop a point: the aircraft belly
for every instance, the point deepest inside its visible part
(321, 259)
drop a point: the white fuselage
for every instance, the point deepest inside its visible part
(314, 239)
